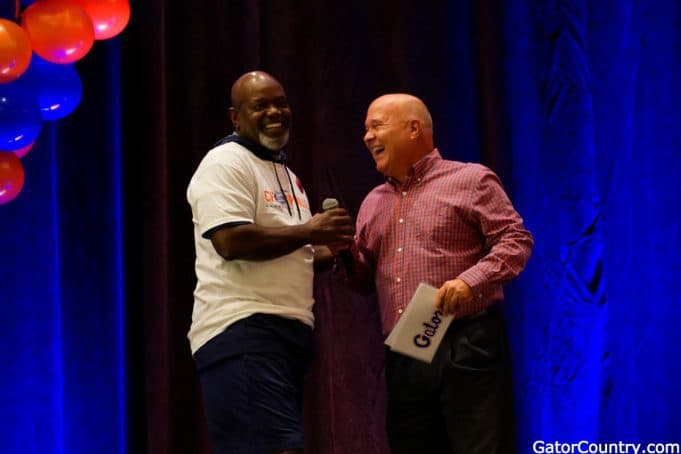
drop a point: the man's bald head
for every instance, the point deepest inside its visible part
(406, 107)
(243, 86)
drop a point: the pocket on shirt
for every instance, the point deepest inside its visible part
(436, 229)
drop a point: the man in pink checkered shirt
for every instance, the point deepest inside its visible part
(451, 225)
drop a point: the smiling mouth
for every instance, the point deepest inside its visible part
(377, 151)
(278, 126)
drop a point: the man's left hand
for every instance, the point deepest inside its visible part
(451, 295)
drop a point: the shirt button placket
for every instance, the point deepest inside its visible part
(401, 234)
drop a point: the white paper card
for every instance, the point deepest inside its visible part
(420, 330)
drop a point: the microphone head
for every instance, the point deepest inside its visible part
(329, 204)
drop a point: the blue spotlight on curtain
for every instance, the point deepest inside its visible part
(63, 386)
(595, 107)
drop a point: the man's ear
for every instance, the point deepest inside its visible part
(234, 117)
(415, 129)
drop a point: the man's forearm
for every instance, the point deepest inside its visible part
(504, 261)
(254, 242)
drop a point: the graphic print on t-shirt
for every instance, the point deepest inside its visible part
(277, 199)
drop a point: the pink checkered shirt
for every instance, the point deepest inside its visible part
(449, 219)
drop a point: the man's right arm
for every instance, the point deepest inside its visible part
(255, 242)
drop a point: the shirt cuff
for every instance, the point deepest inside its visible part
(477, 281)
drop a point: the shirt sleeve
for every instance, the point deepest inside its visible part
(222, 194)
(508, 244)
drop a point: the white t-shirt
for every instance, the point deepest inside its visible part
(233, 185)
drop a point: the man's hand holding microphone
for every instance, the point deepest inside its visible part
(337, 219)
(333, 227)
(330, 232)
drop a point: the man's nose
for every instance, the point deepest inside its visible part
(272, 109)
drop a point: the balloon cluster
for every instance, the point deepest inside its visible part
(38, 80)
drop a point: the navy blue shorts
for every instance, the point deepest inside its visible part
(252, 384)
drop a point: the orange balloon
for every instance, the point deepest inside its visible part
(11, 177)
(15, 51)
(109, 17)
(60, 30)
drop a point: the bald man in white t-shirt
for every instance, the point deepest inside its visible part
(251, 333)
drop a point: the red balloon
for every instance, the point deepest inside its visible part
(11, 177)
(109, 17)
(60, 30)
(15, 51)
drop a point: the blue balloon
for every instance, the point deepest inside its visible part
(20, 119)
(57, 87)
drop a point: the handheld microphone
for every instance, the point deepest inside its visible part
(345, 255)
(330, 204)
